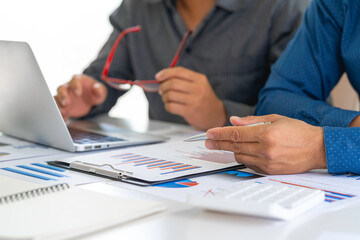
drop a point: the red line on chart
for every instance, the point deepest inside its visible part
(136, 161)
(209, 191)
(348, 195)
(187, 168)
(156, 165)
(145, 163)
(184, 165)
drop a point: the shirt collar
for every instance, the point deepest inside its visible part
(229, 5)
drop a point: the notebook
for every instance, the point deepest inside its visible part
(32, 211)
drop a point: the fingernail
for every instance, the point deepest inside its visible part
(63, 102)
(97, 85)
(210, 135)
(236, 117)
(159, 74)
(208, 145)
(160, 92)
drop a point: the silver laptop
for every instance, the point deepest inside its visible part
(28, 110)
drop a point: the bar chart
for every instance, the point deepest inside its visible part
(40, 171)
(165, 166)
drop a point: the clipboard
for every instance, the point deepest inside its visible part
(125, 176)
(153, 164)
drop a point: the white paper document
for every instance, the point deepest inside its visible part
(340, 190)
(28, 161)
(159, 162)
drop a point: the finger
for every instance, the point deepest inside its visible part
(176, 84)
(249, 161)
(234, 134)
(99, 93)
(252, 149)
(176, 108)
(255, 168)
(62, 110)
(75, 85)
(58, 103)
(177, 72)
(237, 121)
(63, 96)
(176, 97)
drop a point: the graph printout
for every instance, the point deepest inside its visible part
(162, 161)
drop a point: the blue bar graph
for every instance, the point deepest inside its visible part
(27, 174)
(48, 167)
(38, 171)
(41, 171)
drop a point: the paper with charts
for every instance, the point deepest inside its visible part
(161, 161)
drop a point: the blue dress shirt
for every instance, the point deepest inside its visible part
(326, 46)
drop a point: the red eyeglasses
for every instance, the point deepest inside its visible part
(146, 85)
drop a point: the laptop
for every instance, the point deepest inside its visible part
(28, 110)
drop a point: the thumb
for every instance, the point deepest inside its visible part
(99, 93)
(237, 121)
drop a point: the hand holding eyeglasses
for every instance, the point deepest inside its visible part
(77, 97)
(123, 84)
(190, 95)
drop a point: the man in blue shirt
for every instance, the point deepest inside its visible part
(326, 46)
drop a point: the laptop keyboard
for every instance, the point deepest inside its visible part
(84, 137)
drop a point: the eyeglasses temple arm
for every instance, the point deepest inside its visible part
(178, 52)
(113, 49)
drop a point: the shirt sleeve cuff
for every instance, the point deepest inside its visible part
(342, 149)
(237, 109)
(339, 117)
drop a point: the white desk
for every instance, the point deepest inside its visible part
(185, 222)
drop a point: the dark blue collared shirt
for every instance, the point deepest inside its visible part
(234, 46)
(326, 46)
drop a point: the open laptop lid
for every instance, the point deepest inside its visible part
(27, 108)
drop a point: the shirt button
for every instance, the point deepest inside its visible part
(188, 50)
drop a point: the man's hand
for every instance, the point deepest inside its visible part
(189, 94)
(285, 146)
(77, 97)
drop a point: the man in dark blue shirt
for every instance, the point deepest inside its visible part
(326, 46)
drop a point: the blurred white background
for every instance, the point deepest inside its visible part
(66, 36)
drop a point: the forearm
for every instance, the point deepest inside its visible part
(300, 106)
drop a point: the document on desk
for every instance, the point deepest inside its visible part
(12, 149)
(27, 161)
(153, 164)
(341, 190)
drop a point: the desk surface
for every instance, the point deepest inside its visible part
(182, 221)
(185, 222)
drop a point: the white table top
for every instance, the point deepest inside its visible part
(182, 221)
